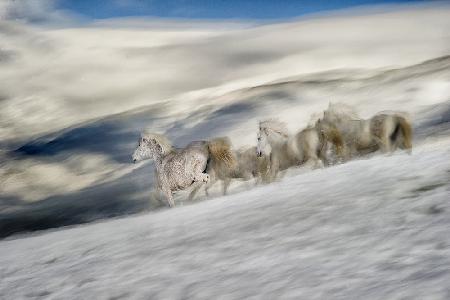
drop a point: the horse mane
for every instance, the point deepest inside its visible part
(160, 139)
(314, 118)
(274, 125)
(342, 111)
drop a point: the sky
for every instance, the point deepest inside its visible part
(210, 9)
(40, 11)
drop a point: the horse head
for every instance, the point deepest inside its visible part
(271, 133)
(263, 146)
(151, 146)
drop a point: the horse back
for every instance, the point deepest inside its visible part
(181, 163)
(197, 146)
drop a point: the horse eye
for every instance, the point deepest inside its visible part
(259, 138)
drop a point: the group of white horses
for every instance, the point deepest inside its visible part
(337, 136)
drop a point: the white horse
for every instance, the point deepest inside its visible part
(285, 150)
(308, 147)
(249, 165)
(178, 169)
(385, 131)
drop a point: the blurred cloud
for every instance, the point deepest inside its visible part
(42, 12)
(28, 10)
(56, 78)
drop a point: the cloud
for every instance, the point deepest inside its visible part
(33, 11)
(54, 79)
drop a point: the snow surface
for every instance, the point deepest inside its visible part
(369, 229)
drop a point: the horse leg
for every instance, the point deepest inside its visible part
(282, 173)
(323, 153)
(155, 196)
(318, 164)
(193, 192)
(389, 129)
(212, 179)
(225, 184)
(312, 147)
(245, 176)
(199, 176)
(274, 168)
(313, 162)
(258, 176)
(207, 191)
(169, 197)
(208, 185)
(310, 164)
(386, 145)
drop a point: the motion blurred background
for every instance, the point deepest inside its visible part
(79, 80)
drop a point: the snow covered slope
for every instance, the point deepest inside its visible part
(368, 229)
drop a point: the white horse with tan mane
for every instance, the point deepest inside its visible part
(285, 150)
(178, 169)
(385, 131)
(248, 166)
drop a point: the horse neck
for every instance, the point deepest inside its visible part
(158, 158)
(281, 154)
(277, 141)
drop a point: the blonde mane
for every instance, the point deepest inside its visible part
(314, 118)
(160, 139)
(275, 126)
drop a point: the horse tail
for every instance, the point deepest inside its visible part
(338, 141)
(220, 151)
(405, 126)
(333, 135)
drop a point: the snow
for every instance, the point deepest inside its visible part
(373, 228)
